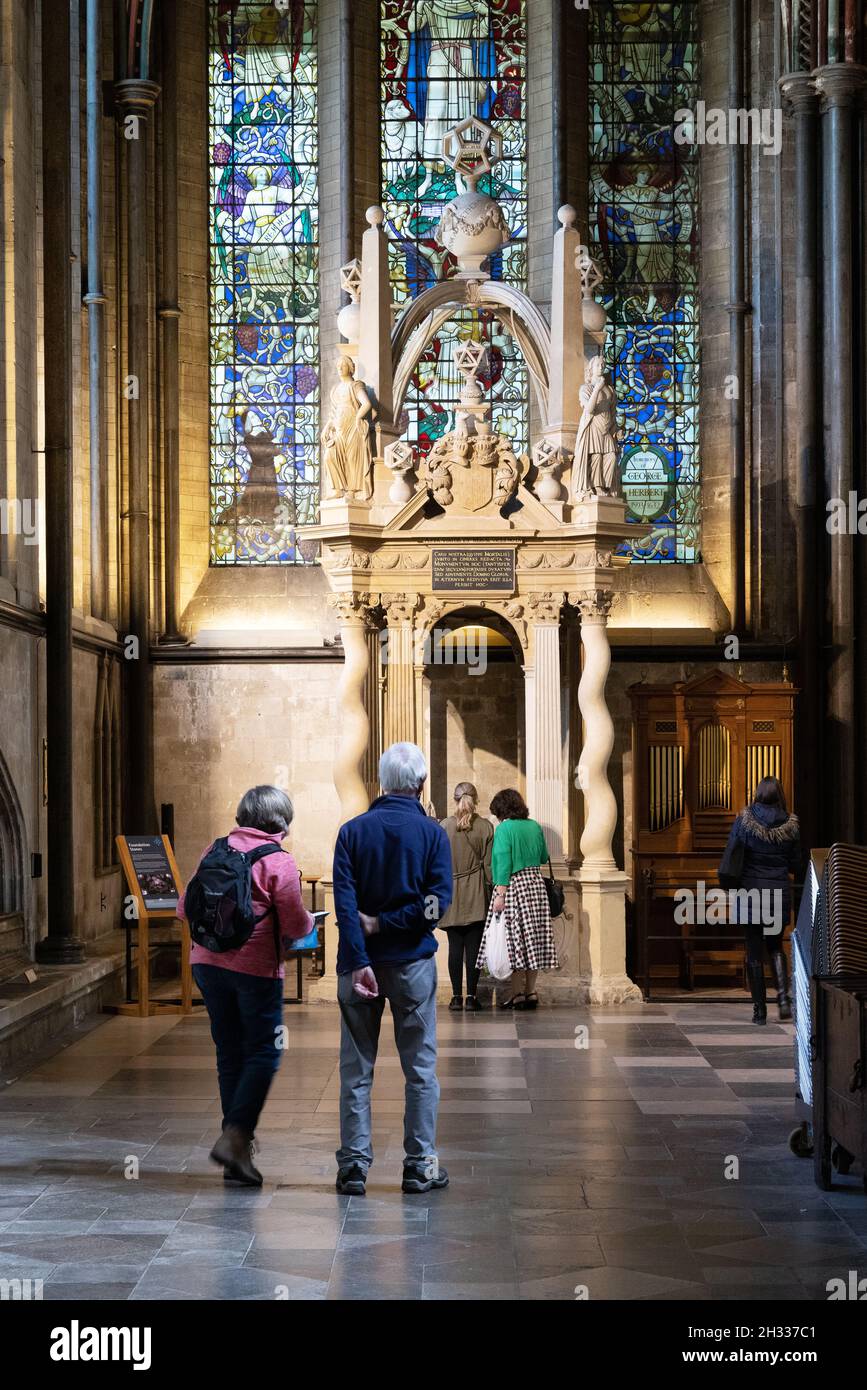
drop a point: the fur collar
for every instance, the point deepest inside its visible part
(774, 834)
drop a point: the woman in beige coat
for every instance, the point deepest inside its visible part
(470, 837)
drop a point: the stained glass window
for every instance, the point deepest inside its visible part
(643, 215)
(264, 289)
(444, 61)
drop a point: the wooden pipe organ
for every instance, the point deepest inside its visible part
(700, 748)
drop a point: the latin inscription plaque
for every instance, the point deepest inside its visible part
(483, 571)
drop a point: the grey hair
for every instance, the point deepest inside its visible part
(402, 768)
(265, 808)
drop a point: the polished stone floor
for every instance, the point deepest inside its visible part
(607, 1168)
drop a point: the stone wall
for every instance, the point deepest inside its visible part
(223, 728)
(476, 732)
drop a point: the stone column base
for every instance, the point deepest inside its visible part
(603, 923)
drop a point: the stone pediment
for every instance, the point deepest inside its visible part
(526, 516)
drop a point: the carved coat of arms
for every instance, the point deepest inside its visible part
(472, 472)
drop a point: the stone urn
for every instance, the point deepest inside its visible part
(473, 226)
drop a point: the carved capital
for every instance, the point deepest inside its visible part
(351, 609)
(545, 607)
(514, 611)
(841, 84)
(594, 605)
(432, 610)
(400, 608)
(799, 95)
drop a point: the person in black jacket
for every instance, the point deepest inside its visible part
(771, 840)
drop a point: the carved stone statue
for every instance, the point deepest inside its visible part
(508, 474)
(439, 474)
(594, 471)
(346, 451)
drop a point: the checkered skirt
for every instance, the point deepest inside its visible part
(528, 924)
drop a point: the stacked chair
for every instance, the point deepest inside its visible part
(829, 954)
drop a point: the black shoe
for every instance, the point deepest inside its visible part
(783, 1001)
(517, 1001)
(351, 1181)
(416, 1179)
(456, 1004)
(532, 1001)
(471, 1004)
(234, 1152)
(756, 974)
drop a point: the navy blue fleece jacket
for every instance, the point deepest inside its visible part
(393, 862)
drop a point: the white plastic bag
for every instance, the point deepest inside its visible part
(496, 948)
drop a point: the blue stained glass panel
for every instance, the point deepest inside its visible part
(644, 229)
(264, 279)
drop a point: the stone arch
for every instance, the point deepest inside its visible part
(423, 317)
(12, 837)
(473, 717)
(481, 613)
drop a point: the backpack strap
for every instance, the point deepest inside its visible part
(252, 857)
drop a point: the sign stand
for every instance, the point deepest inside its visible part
(152, 878)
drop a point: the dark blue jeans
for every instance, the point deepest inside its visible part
(246, 1013)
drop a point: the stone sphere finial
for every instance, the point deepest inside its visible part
(375, 216)
(566, 215)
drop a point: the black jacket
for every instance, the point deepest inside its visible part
(772, 852)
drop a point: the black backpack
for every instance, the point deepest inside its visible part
(218, 903)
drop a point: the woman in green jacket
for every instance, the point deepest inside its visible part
(519, 891)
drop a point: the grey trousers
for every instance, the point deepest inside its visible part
(411, 991)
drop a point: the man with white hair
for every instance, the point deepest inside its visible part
(392, 885)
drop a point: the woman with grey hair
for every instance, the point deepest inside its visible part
(243, 988)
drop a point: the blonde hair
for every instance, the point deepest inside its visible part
(467, 798)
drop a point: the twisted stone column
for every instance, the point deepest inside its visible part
(400, 672)
(600, 805)
(603, 885)
(352, 612)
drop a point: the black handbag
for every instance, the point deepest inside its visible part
(556, 896)
(731, 868)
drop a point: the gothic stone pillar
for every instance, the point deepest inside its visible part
(400, 723)
(545, 795)
(353, 613)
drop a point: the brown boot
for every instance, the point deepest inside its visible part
(234, 1152)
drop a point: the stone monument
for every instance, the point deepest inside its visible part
(532, 541)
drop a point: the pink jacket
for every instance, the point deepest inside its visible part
(275, 884)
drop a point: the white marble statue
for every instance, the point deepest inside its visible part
(346, 449)
(594, 470)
